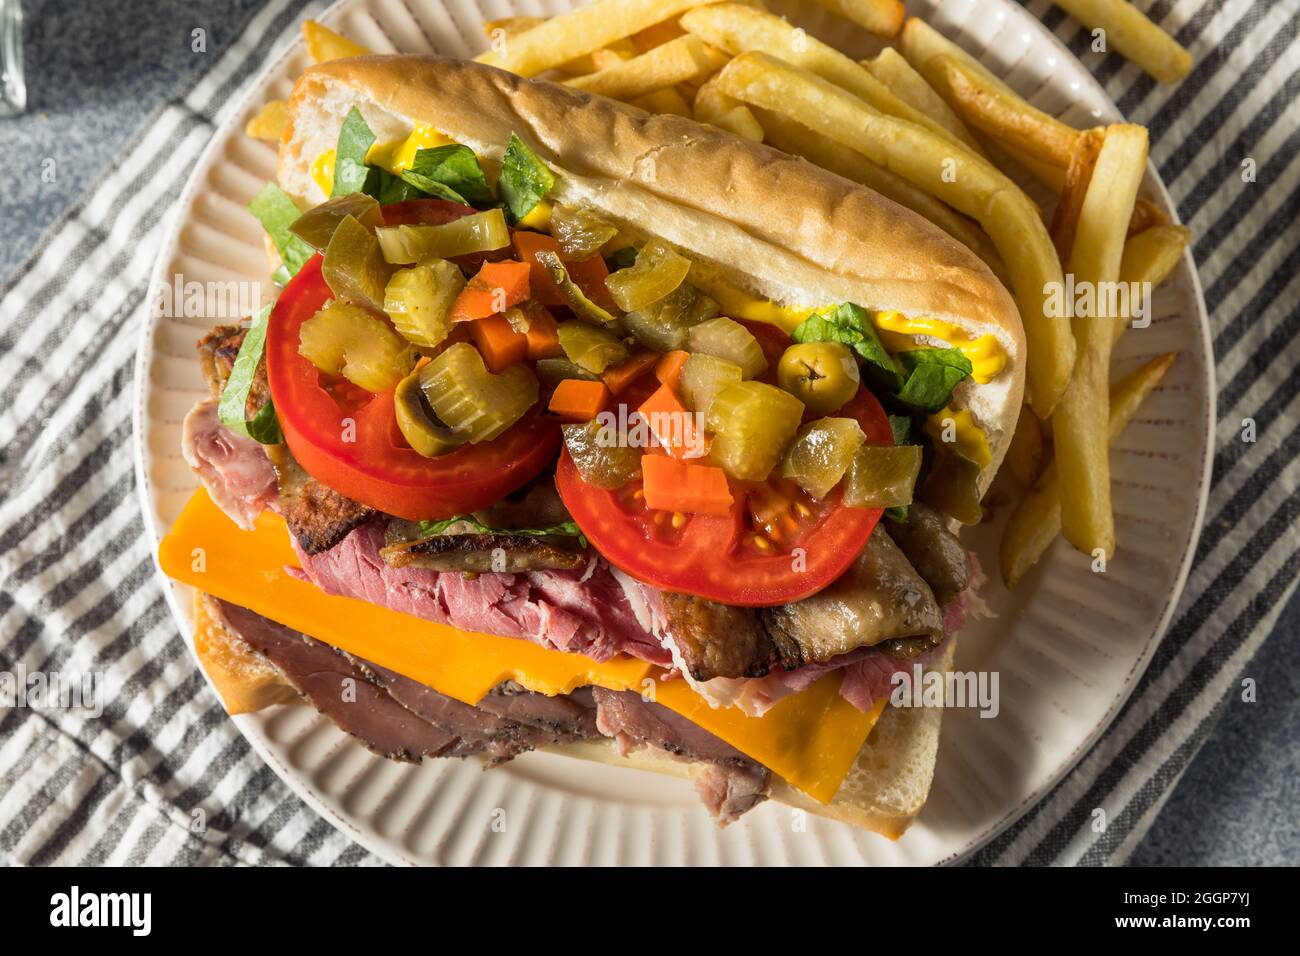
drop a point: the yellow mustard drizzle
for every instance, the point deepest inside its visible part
(966, 438)
(322, 171)
(987, 357)
(739, 304)
(396, 155)
(539, 217)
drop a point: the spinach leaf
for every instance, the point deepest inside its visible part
(424, 186)
(901, 426)
(393, 189)
(276, 211)
(932, 374)
(351, 174)
(567, 528)
(525, 180)
(455, 168)
(263, 427)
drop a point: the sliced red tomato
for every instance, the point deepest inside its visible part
(776, 545)
(348, 438)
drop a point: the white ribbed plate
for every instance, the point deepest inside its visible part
(1069, 644)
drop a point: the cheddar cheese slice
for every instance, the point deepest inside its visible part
(810, 739)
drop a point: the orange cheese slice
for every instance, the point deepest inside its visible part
(810, 739)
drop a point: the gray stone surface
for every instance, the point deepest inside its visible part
(97, 70)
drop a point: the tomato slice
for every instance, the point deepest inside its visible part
(777, 544)
(348, 438)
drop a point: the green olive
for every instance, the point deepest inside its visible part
(416, 420)
(822, 375)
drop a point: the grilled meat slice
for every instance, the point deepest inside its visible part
(217, 352)
(712, 639)
(568, 717)
(537, 505)
(880, 598)
(729, 792)
(933, 550)
(361, 708)
(501, 553)
(477, 730)
(318, 516)
(732, 784)
(584, 612)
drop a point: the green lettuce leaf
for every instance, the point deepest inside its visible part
(276, 211)
(567, 528)
(263, 427)
(351, 174)
(932, 374)
(456, 169)
(525, 180)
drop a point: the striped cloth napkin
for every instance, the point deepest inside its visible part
(79, 593)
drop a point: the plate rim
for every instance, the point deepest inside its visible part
(385, 849)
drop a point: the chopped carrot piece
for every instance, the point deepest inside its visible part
(589, 274)
(671, 485)
(543, 336)
(669, 368)
(497, 286)
(579, 400)
(621, 376)
(674, 426)
(499, 343)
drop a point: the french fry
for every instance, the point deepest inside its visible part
(881, 17)
(1024, 458)
(580, 31)
(923, 45)
(270, 121)
(1036, 522)
(510, 26)
(677, 61)
(891, 68)
(1053, 177)
(1145, 215)
(1128, 30)
(1065, 220)
(740, 29)
(956, 176)
(1149, 258)
(323, 44)
(1079, 425)
(718, 109)
(798, 140)
(667, 100)
(656, 35)
(1007, 118)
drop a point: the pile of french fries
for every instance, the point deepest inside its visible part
(926, 125)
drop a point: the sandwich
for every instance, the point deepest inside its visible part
(579, 429)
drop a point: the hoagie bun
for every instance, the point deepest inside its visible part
(777, 227)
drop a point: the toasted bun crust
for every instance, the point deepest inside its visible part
(777, 226)
(245, 681)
